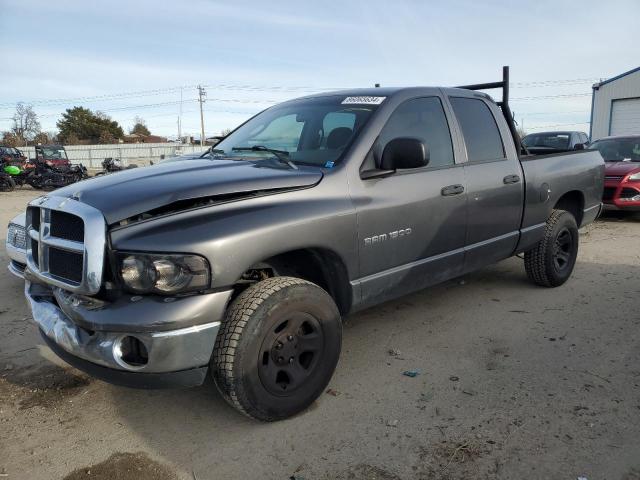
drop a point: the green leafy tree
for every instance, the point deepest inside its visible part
(140, 127)
(81, 124)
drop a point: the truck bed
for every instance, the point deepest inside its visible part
(548, 178)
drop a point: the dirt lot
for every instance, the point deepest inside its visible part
(514, 381)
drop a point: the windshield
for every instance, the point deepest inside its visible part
(618, 149)
(52, 153)
(313, 131)
(558, 141)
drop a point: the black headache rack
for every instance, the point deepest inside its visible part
(504, 104)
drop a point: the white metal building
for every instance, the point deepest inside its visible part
(615, 106)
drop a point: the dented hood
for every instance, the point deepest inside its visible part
(132, 192)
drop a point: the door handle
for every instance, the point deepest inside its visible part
(511, 179)
(452, 190)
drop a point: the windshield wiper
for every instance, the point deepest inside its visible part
(281, 155)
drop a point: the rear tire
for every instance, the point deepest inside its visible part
(277, 348)
(550, 263)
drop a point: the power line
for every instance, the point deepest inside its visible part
(549, 97)
(250, 88)
(552, 113)
(557, 125)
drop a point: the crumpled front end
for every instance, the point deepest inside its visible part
(139, 341)
(147, 359)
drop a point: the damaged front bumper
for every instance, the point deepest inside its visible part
(140, 346)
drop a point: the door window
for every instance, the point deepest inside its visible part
(481, 134)
(421, 118)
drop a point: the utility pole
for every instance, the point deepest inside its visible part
(180, 119)
(201, 100)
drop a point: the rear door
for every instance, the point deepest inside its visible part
(411, 224)
(495, 194)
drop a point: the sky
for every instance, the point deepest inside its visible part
(138, 57)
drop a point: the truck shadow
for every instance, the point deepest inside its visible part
(196, 428)
(609, 216)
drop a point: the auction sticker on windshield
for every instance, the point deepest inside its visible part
(363, 100)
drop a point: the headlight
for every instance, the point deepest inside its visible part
(635, 177)
(163, 274)
(16, 236)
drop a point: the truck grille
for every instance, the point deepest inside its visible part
(67, 226)
(66, 265)
(57, 252)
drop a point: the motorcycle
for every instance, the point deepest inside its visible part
(7, 183)
(18, 171)
(112, 165)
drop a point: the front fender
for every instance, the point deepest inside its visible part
(236, 235)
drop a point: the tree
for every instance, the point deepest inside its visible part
(225, 132)
(106, 137)
(81, 124)
(45, 138)
(11, 139)
(140, 127)
(25, 123)
(521, 132)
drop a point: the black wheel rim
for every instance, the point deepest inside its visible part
(563, 250)
(290, 353)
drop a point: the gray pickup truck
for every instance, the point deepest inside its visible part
(242, 264)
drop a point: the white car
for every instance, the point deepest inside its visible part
(16, 245)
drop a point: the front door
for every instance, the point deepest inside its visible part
(411, 224)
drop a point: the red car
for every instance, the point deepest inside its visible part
(622, 171)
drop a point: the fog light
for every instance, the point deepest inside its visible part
(130, 353)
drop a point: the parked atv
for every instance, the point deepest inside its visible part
(53, 155)
(112, 165)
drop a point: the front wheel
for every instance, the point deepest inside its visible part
(277, 348)
(550, 263)
(7, 184)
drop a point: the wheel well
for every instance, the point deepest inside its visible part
(323, 267)
(572, 202)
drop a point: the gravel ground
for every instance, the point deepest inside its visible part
(514, 381)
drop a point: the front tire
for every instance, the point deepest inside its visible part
(550, 263)
(277, 348)
(7, 184)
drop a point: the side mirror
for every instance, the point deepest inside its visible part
(404, 152)
(578, 146)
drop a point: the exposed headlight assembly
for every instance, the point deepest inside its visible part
(163, 274)
(635, 177)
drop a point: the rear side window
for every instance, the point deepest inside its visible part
(481, 134)
(421, 118)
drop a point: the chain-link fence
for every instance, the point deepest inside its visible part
(91, 156)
